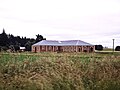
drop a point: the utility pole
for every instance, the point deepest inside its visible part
(113, 44)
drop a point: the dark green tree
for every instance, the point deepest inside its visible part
(9, 41)
(117, 48)
(39, 38)
(4, 41)
(28, 46)
(98, 47)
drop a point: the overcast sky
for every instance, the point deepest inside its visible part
(93, 21)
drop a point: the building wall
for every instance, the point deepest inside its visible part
(63, 48)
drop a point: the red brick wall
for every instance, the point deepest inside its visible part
(63, 48)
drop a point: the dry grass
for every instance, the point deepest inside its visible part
(59, 71)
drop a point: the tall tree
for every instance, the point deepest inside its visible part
(3, 31)
(4, 41)
(39, 38)
(15, 42)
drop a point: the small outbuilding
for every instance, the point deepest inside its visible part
(62, 46)
(22, 49)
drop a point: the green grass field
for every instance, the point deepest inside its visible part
(60, 71)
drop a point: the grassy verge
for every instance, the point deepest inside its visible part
(59, 71)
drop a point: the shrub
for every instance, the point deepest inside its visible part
(117, 48)
(98, 47)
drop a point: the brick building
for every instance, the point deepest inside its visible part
(62, 46)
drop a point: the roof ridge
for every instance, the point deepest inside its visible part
(77, 42)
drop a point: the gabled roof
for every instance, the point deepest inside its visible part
(62, 43)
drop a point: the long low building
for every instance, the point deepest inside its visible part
(62, 46)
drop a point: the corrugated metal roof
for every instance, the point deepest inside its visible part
(62, 43)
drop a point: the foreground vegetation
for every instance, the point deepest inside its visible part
(59, 71)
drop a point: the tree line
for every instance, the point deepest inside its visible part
(9, 41)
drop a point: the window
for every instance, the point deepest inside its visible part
(43, 47)
(85, 49)
(50, 47)
(91, 49)
(74, 49)
(79, 48)
(56, 48)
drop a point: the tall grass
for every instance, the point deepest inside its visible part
(59, 71)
